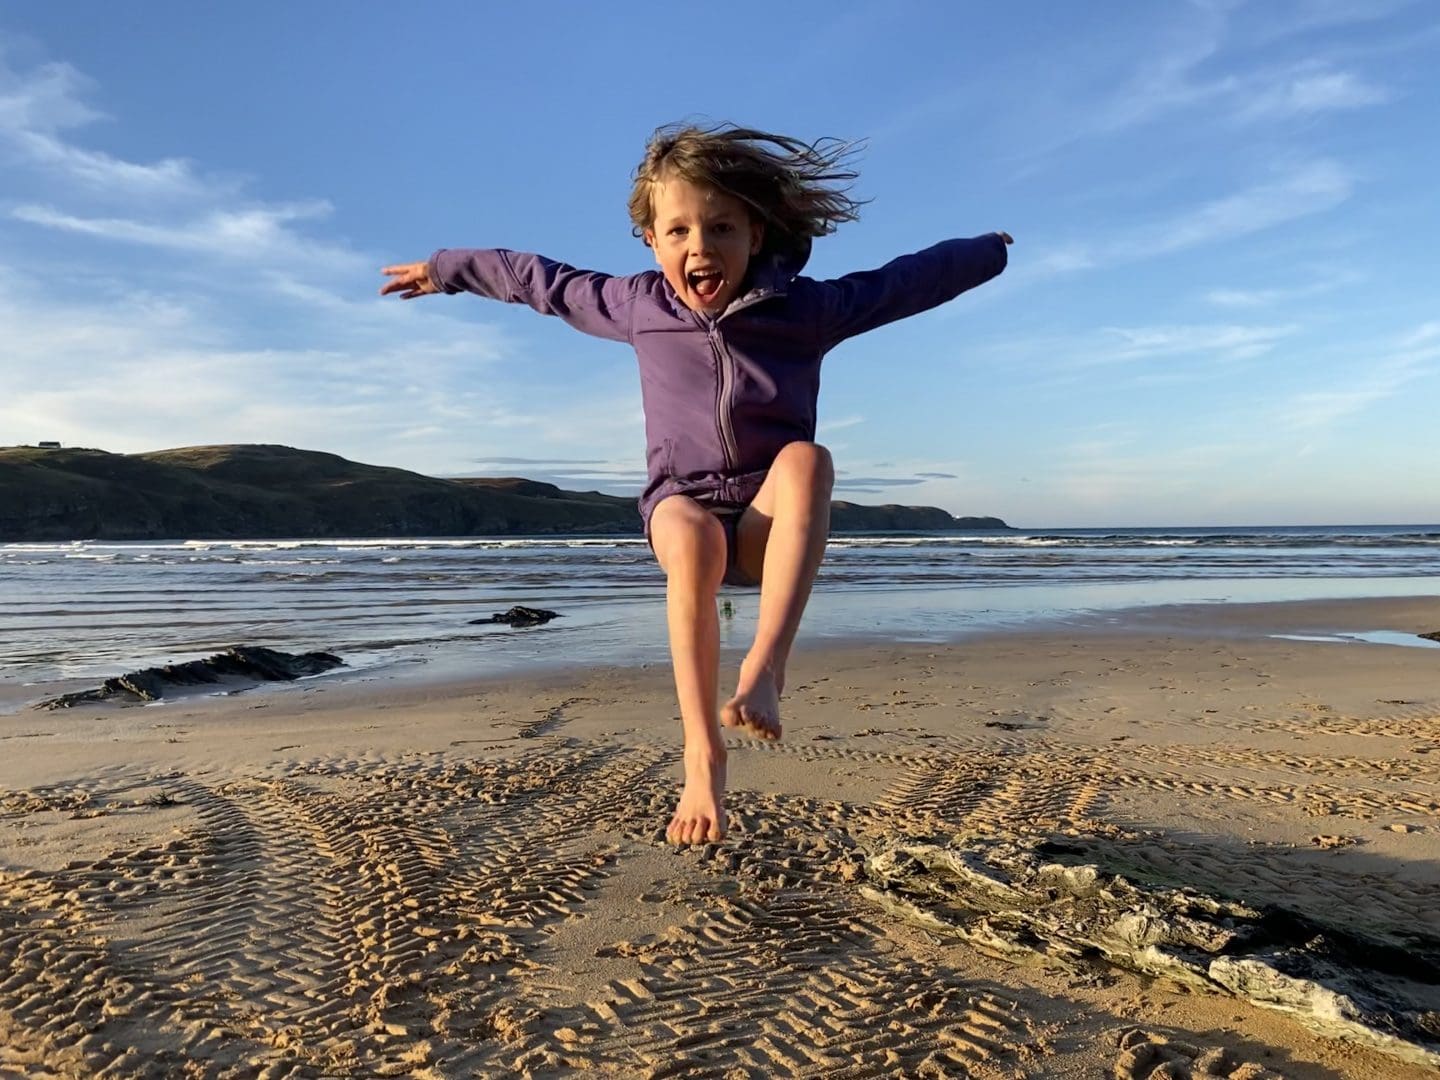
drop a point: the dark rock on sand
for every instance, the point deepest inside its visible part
(519, 616)
(1434, 635)
(240, 663)
(1023, 900)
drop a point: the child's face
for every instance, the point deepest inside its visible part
(703, 240)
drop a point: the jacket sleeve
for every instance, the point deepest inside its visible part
(594, 303)
(905, 286)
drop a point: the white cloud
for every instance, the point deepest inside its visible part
(1304, 93)
(1421, 335)
(824, 427)
(1064, 261)
(1244, 298)
(1325, 279)
(310, 362)
(1113, 465)
(1228, 342)
(1196, 67)
(47, 99)
(168, 204)
(131, 371)
(37, 106)
(168, 177)
(251, 233)
(1416, 356)
(1311, 188)
(1308, 189)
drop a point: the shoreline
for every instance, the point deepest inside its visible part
(1325, 618)
(449, 879)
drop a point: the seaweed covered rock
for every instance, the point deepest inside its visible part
(239, 663)
(519, 615)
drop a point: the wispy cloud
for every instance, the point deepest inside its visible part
(875, 483)
(1309, 189)
(37, 106)
(1114, 464)
(167, 205)
(254, 233)
(1415, 356)
(1228, 342)
(1421, 335)
(536, 461)
(1305, 190)
(1305, 92)
(47, 99)
(1325, 281)
(840, 423)
(333, 368)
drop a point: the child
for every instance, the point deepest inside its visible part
(729, 341)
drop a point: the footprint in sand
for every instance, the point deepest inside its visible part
(1146, 1055)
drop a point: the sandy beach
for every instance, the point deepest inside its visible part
(395, 878)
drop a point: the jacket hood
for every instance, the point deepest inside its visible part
(771, 272)
(789, 260)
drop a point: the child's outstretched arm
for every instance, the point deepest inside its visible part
(594, 303)
(906, 286)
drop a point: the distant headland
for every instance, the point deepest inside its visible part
(53, 493)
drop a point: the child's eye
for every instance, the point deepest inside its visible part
(724, 227)
(678, 230)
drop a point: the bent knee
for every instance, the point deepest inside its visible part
(687, 539)
(808, 460)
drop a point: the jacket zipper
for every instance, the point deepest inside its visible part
(724, 412)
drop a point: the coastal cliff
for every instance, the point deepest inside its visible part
(262, 491)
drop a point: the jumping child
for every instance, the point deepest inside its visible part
(729, 339)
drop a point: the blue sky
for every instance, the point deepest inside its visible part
(1223, 304)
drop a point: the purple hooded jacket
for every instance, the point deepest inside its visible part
(723, 395)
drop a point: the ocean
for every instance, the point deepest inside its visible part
(87, 610)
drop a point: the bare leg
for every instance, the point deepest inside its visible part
(690, 545)
(781, 541)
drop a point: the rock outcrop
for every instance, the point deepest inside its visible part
(1028, 900)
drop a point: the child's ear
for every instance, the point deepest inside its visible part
(757, 236)
(649, 237)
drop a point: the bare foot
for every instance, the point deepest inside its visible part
(756, 704)
(700, 817)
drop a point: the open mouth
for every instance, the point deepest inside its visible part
(705, 284)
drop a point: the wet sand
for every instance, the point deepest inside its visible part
(372, 878)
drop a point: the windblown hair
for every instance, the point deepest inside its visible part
(787, 184)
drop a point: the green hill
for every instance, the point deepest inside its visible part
(261, 491)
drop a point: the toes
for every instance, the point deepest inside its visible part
(761, 726)
(700, 830)
(686, 831)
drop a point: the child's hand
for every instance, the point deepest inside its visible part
(1003, 235)
(409, 280)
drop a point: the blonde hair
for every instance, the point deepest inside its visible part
(785, 183)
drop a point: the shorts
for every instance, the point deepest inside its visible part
(728, 514)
